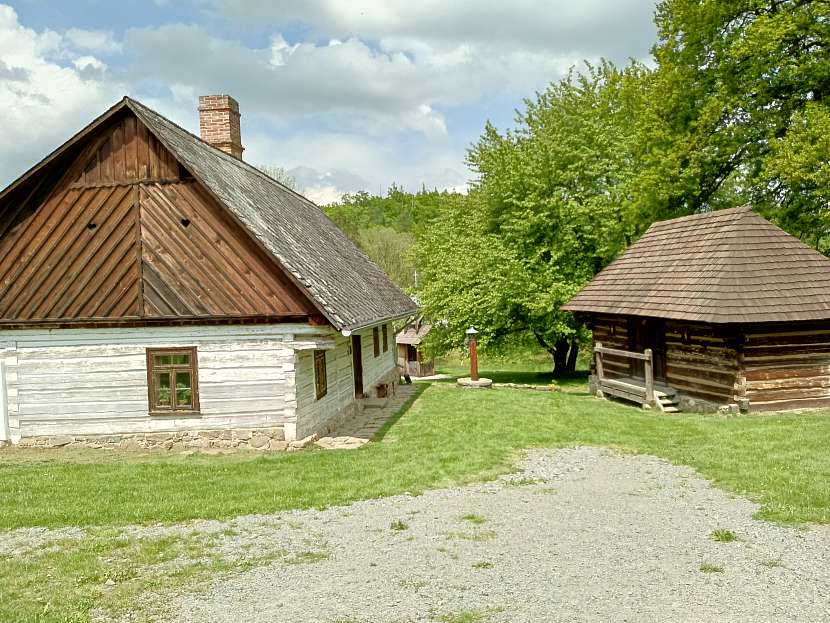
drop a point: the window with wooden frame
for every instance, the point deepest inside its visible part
(173, 380)
(320, 380)
(376, 341)
(385, 338)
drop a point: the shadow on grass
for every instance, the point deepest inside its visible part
(419, 389)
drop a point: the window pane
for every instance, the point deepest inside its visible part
(181, 359)
(162, 360)
(184, 391)
(163, 394)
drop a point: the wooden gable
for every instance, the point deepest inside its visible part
(128, 152)
(125, 233)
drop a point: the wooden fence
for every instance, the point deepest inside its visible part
(627, 388)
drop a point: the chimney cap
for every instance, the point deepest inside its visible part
(218, 102)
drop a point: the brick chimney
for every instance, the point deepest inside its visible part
(219, 123)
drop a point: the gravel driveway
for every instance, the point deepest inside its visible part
(579, 535)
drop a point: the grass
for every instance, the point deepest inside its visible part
(529, 368)
(474, 519)
(723, 536)
(108, 571)
(448, 437)
(399, 525)
(710, 568)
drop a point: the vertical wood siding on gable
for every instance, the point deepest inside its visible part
(98, 384)
(127, 152)
(197, 262)
(60, 266)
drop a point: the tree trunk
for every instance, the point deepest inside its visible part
(560, 356)
(573, 353)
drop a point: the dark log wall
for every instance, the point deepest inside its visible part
(702, 360)
(612, 332)
(123, 233)
(787, 366)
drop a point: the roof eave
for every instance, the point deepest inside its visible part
(347, 331)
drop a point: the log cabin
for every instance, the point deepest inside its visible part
(156, 290)
(721, 309)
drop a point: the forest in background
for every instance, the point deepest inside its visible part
(733, 110)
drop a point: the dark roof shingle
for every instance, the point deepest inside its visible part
(346, 285)
(718, 267)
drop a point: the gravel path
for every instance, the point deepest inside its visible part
(579, 535)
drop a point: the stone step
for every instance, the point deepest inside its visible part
(671, 409)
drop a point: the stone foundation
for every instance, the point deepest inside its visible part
(248, 438)
(695, 405)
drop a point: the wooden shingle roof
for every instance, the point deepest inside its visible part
(728, 266)
(349, 288)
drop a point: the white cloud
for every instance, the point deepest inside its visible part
(372, 93)
(612, 28)
(48, 103)
(97, 41)
(89, 62)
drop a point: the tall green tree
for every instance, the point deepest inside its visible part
(386, 227)
(737, 87)
(544, 216)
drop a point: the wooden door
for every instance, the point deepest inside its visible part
(646, 333)
(357, 366)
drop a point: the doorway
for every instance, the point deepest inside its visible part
(357, 366)
(648, 333)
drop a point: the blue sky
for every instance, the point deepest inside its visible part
(347, 94)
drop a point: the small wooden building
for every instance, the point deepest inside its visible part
(156, 290)
(721, 308)
(410, 356)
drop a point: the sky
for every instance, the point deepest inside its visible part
(346, 95)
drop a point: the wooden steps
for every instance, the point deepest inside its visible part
(666, 400)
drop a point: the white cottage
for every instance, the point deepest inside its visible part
(156, 290)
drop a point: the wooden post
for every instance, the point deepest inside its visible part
(473, 358)
(649, 370)
(598, 357)
(471, 340)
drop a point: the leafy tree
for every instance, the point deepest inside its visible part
(387, 227)
(392, 251)
(544, 216)
(734, 79)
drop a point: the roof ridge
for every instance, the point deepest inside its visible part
(711, 214)
(221, 153)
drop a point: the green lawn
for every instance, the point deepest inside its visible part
(529, 367)
(449, 436)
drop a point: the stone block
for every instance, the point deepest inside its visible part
(259, 440)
